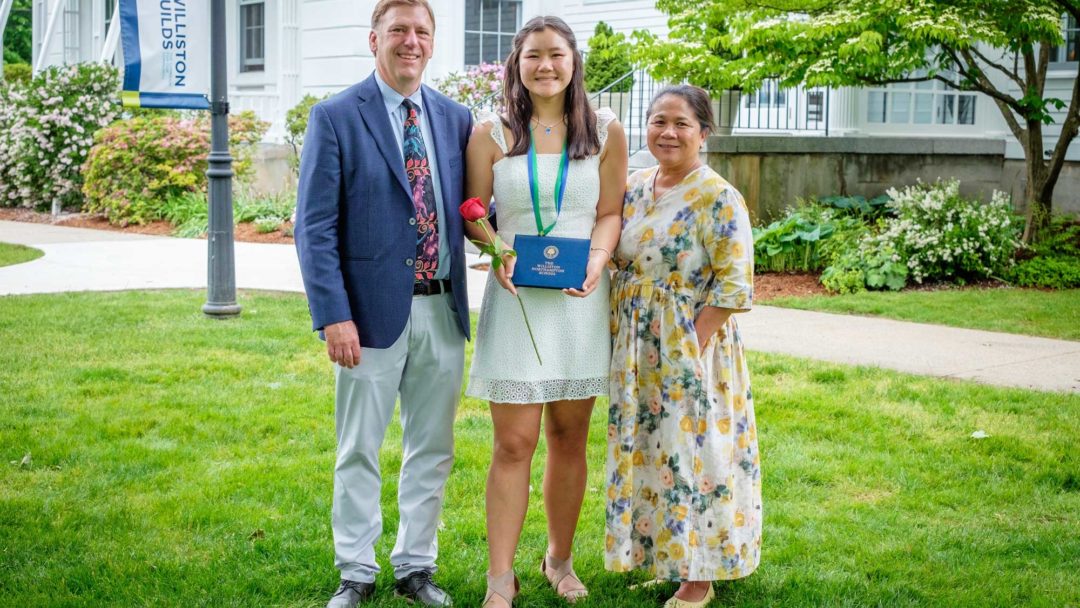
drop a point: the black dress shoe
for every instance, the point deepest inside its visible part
(418, 587)
(351, 593)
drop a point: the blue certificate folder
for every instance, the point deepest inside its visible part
(550, 261)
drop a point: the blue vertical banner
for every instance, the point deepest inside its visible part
(166, 53)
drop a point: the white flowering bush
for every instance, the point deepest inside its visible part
(474, 86)
(942, 236)
(46, 129)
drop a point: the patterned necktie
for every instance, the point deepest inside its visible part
(423, 195)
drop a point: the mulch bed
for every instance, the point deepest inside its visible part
(242, 232)
(772, 285)
(784, 284)
(247, 234)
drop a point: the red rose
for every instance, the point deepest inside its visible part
(472, 210)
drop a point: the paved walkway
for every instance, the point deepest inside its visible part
(78, 259)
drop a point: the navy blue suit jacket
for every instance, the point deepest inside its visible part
(356, 226)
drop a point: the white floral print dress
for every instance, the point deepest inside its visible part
(683, 473)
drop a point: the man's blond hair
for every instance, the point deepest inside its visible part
(382, 6)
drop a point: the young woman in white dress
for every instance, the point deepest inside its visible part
(546, 107)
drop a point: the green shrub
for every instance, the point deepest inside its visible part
(266, 225)
(250, 207)
(18, 73)
(1053, 262)
(855, 270)
(296, 125)
(1060, 238)
(46, 130)
(1051, 272)
(189, 213)
(858, 206)
(245, 133)
(139, 166)
(608, 60)
(843, 280)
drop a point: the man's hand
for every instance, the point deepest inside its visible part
(343, 343)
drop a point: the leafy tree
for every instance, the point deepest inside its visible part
(296, 120)
(608, 60)
(18, 35)
(1000, 48)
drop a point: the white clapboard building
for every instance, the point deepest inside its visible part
(280, 50)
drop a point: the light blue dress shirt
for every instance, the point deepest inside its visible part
(397, 114)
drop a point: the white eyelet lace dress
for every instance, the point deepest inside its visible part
(572, 334)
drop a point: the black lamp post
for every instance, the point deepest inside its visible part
(221, 263)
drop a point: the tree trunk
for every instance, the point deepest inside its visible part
(1040, 183)
(1037, 197)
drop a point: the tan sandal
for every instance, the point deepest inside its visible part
(505, 586)
(556, 571)
(675, 602)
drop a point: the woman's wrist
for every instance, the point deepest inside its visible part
(601, 249)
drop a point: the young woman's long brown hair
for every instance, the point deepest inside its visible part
(582, 139)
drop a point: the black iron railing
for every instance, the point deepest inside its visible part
(770, 109)
(774, 109)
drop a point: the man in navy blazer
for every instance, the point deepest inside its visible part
(380, 243)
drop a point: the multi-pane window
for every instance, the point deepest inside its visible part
(110, 8)
(921, 103)
(769, 95)
(252, 35)
(815, 106)
(1071, 50)
(490, 26)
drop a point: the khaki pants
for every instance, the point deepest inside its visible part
(424, 366)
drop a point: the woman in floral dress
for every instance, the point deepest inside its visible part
(684, 479)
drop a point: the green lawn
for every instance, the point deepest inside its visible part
(180, 461)
(1054, 314)
(17, 254)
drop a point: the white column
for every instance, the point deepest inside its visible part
(289, 85)
(843, 111)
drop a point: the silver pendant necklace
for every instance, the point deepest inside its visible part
(547, 128)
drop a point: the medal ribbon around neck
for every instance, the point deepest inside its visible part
(534, 186)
